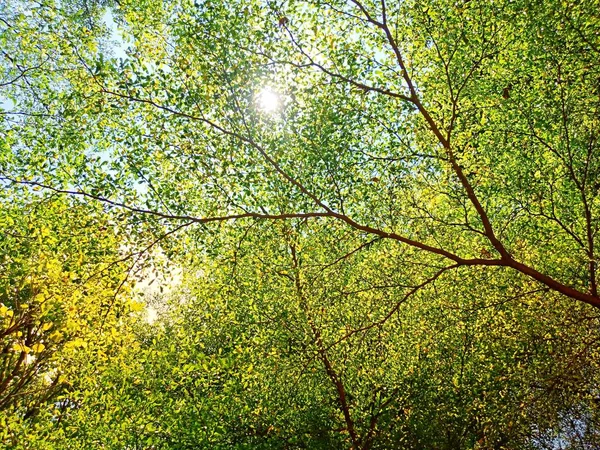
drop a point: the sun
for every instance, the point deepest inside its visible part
(268, 100)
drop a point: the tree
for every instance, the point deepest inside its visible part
(456, 114)
(430, 167)
(62, 292)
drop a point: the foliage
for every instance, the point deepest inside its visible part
(61, 295)
(401, 255)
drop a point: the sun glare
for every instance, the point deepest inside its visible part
(268, 100)
(151, 315)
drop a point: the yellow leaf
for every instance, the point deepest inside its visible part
(5, 311)
(37, 348)
(57, 335)
(137, 306)
(21, 347)
(80, 343)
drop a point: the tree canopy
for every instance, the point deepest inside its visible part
(360, 224)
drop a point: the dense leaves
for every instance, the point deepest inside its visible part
(61, 296)
(400, 251)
